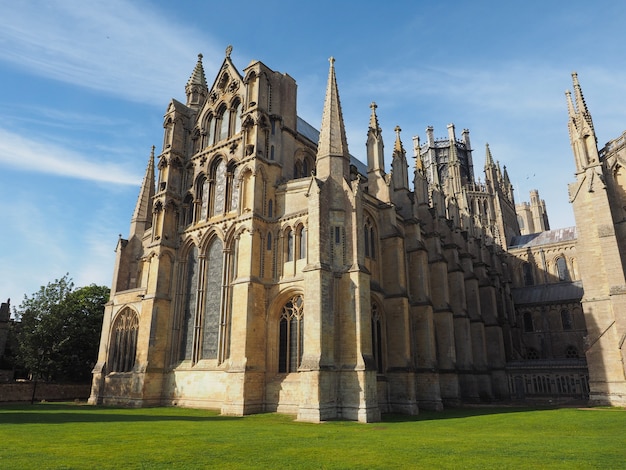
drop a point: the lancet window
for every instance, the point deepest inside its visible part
(377, 338)
(370, 239)
(562, 270)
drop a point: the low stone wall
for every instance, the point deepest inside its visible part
(23, 392)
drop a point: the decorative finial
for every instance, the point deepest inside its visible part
(229, 49)
(373, 106)
(397, 130)
(332, 61)
(200, 57)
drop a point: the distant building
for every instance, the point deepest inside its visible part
(267, 269)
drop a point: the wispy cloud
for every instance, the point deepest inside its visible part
(122, 48)
(22, 153)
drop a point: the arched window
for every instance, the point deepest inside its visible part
(188, 210)
(270, 208)
(297, 170)
(213, 298)
(221, 124)
(232, 187)
(302, 243)
(218, 187)
(377, 338)
(561, 267)
(202, 196)
(124, 341)
(189, 304)
(235, 114)
(291, 335)
(269, 241)
(370, 239)
(289, 245)
(527, 271)
(566, 319)
(528, 322)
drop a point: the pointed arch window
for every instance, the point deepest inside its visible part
(377, 338)
(210, 324)
(188, 210)
(370, 239)
(527, 272)
(124, 341)
(270, 208)
(302, 242)
(566, 319)
(221, 124)
(217, 192)
(291, 335)
(189, 304)
(289, 245)
(561, 267)
(235, 114)
(529, 327)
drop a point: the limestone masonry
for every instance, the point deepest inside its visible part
(266, 269)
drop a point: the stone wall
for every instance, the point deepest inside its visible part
(23, 392)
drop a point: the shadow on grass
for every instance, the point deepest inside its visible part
(58, 413)
(74, 413)
(457, 413)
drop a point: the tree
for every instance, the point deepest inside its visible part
(59, 330)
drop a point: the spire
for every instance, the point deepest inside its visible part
(196, 88)
(419, 161)
(488, 158)
(581, 105)
(332, 141)
(399, 164)
(142, 216)
(375, 146)
(374, 119)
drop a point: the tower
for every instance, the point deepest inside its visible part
(595, 197)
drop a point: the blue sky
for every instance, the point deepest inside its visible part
(84, 86)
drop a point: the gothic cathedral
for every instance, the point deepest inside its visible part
(267, 269)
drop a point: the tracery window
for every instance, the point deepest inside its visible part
(218, 187)
(124, 341)
(377, 338)
(532, 354)
(571, 352)
(210, 324)
(291, 335)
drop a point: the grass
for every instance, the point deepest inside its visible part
(64, 436)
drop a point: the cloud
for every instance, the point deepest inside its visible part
(122, 48)
(22, 153)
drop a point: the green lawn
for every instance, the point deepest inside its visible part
(79, 436)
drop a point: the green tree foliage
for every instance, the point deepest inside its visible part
(59, 330)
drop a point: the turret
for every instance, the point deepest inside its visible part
(196, 88)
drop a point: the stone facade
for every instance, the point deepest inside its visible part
(267, 269)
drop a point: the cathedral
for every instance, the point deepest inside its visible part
(267, 269)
